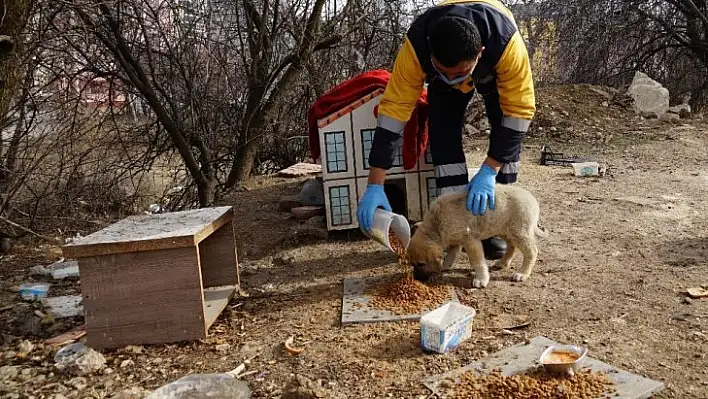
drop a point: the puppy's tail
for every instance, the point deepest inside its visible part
(540, 232)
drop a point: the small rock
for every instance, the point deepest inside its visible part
(471, 130)
(683, 110)
(79, 383)
(315, 227)
(554, 129)
(134, 349)
(157, 360)
(301, 387)
(78, 359)
(649, 115)
(127, 363)
(107, 371)
(670, 117)
(687, 300)
(605, 104)
(250, 349)
(8, 372)
(9, 355)
(284, 259)
(26, 347)
(312, 193)
(223, 348)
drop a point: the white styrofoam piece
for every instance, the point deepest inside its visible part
(64, 306)
(64, 269)
(522, 358)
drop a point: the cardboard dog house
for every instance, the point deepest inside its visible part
(345, 139)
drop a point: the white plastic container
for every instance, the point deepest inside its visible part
(588, 169)
(385, 221)
(34, 291)
(446, 327)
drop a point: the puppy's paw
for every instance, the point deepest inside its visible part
(519, 277)
(480, 281)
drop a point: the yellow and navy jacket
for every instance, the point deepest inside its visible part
(503, 70)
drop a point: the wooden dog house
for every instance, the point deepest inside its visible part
(152, 279)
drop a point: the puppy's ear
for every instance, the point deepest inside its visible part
(415, 227)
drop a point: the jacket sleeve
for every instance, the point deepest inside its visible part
(397, 104)
(516, 99)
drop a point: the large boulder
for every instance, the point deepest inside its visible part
(650, 97)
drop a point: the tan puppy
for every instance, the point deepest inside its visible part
(448, 225)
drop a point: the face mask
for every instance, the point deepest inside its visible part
(453, 81)
(450, 82)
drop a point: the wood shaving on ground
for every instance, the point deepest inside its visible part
(290, 348)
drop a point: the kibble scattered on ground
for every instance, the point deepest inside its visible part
(536, 385)
(405, 295)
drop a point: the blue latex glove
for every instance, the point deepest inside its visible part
(374, 197)
(481, 190)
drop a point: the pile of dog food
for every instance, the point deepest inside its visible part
(536, 385)
(405, 295)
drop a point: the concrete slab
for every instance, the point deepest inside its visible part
(355, 302)
(522, 358)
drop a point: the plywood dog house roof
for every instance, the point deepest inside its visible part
(349, 108)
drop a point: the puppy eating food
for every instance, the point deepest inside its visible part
(448, 225)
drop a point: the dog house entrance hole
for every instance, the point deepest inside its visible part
(395, 190)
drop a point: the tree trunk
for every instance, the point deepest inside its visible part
(244, 163)
(15, 15)
(206, 191)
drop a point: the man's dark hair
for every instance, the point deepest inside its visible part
(454, 39)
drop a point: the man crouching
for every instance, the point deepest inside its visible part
(448, 225)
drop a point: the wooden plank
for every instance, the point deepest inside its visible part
(215, 300)
(301, 169)
(151, 232)
(217, 254)
(142, 298)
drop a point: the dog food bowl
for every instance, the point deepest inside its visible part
(563, 359)
(446, 327)
(384, 222)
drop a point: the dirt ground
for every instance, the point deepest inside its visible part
(621, 252)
